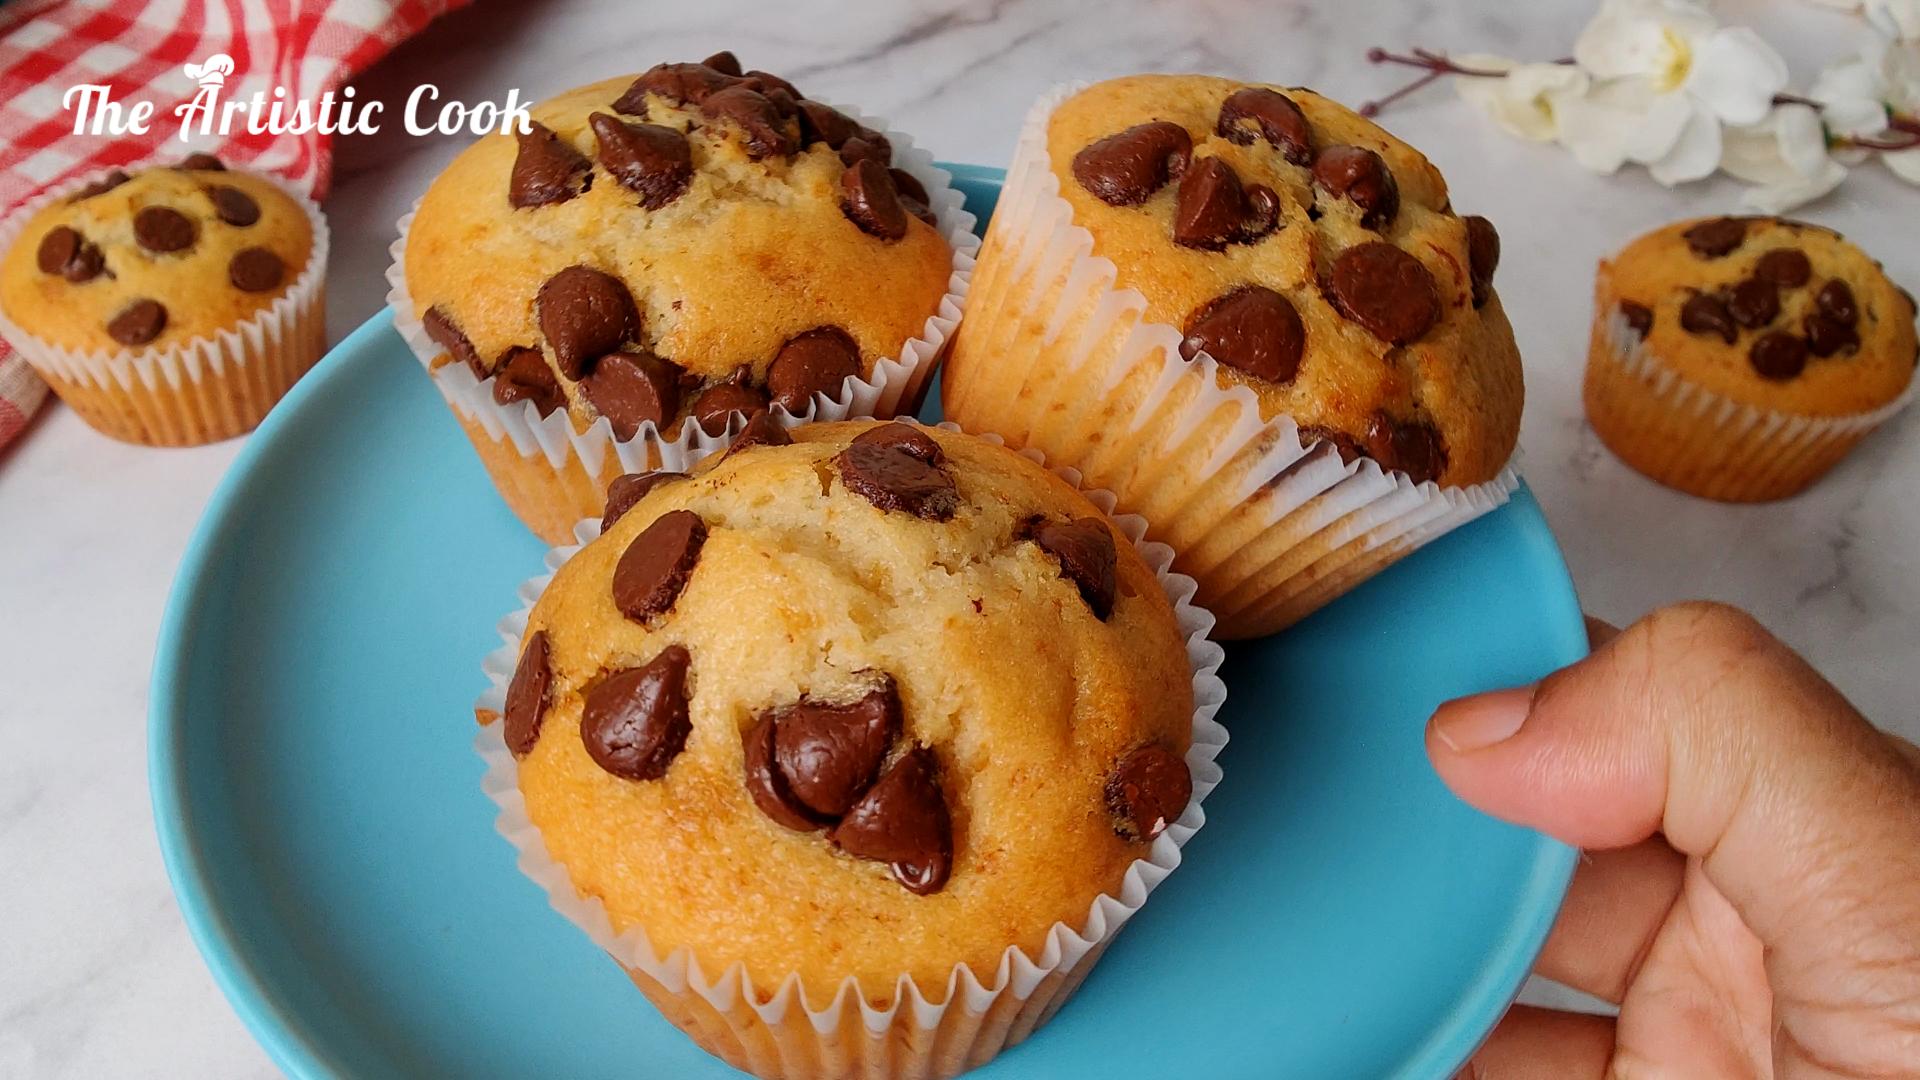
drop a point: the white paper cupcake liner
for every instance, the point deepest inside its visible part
(196, 391)
(979, 1014)
(894, 386)
(1271, 529)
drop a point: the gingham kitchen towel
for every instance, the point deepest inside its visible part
(141, 49)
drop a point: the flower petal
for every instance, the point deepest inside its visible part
(1735, 73)
(1663, 121)
(1803, 142)
(1524, 102)
(1597, 133)
(1905, 164)
(1694, 155)
(1780, 198)
(1752, 153)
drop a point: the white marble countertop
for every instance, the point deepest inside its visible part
(99, 977)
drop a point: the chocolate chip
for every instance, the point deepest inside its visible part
(65, 252)
(1706, 313)
(585, 314)
(138, 323)
(1785, 267)
(546, 169)
(523, 375)
(1827, 335)
(861, 148)
(162, 229)
(902, 820)
(768, 788)
(1360, 176)
(256, 269)
(202, 162)
(1412, 447)
(818, 361)
(823, 123)
(634, 723)
(904, 437)
(527, 695)
(766, 132)
(1778, 356)
(447, 334)
(630, 388)
(1483, 256)
(723, 62)
(913, 195)
(768, 83)
(233, 206)
(869, 200)
(893, 475)
(648, 159)
(1124, 169)
(1639, 317)
(1251, 329)
(828, 754)
(1753, 303)
(1345, 445)
(1385, 290)
(1212, 210)
(1835, 301)
(629, 489)
(103, 185)
(1712, 239)
(1267, 114)
(1086, 553)
(761, 430)
(715, 406)
(680, 84)
(1148, 791)
(656, 565)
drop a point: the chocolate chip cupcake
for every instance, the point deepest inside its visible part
(172, 306)
(890, 722)
(1741, 358)
(1255, 317)
(662, 256)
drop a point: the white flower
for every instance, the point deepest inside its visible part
(1859, 96)
(1526, 101)
(1667, 78)
(1898, 19)
(1785, 156)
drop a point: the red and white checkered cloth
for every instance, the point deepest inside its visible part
(140, 49)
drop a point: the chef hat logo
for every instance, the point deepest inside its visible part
(212, 71)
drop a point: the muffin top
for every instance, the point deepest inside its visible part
(877, 701)
(1315, 256)
(154, 259)
(1773, 313)
(693, 240)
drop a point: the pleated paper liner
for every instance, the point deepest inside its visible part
(1698, 441)
(192, 392)
(915, 1031)
(1055, 356)
(552, 474)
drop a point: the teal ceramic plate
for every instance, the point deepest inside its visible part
(320, 811)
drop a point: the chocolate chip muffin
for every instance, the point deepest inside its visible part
(1740, 358)
(170, 306)
(1270, 272)
(686, 247)
(865, 702)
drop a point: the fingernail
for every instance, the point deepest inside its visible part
(1477, 722)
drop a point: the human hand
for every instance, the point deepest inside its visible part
(1750, 895)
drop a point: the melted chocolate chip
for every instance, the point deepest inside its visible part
(585, 314)
(652, 161)
(527, 695)
(1713, 239)
(1483, 256)
(1212, 210)
(869, 200)
(656, 565)
(1087, 558)
(103, 185)
(715, 406)
(1827, 335)
(772, 85)
(1385, 290)
(761, 430)
(634, 723)
(1835, 301)
(546, 170)
(629, 489)
(1124, 169)
(1785, 267)
(1413, 447)
(1778, 356)
(680, 84)
(768, 788)
(1639, 317)
(1148, 791)
(1345, 445)
(1270, 115)
(447, 334)
(904, 437)
(138, 323)
(765, 130)
(818, 361)
(913, 196)
(631, 388)
(825, 124)
(65, 252)
(523, 375)
(902, 820)
(828, 754)
(1706, 313)
(1753, 303)
(723, 62)
(256, 269)
(162, 229)
(894, 476)
(201, 162)
(233, 206)
(1251, 329)
(1361, 177)
(867, 146)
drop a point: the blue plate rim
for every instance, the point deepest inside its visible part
(280, 1032)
